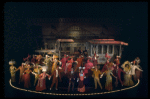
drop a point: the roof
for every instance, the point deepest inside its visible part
(107, 41)
(65, 40)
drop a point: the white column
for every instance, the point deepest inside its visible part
(102, 48)
(120, 51)
(113, 49)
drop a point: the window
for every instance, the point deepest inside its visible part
(105, 49)
(75, 49)
(67, 48)
(110, 49)
(99, 49)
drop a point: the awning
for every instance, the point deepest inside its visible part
(107, 41)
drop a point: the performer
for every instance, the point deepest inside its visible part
(41, 85)
(48, 64)
(71, 76)
(117, 60)
(69, 64)
(137, 72)
(137, 60)
(55, 75)
(108, 84)
(12, 71)
(96, 73)
(26, 77)
(33, 60)
(133, 69)
(55, 61)
(36, 72)
(117, 73)
(79, 60)
(105, 67)
(38, 58)
(88, 66)
(81, 86)
(64, 61)
(127, 77)
(21, 68)
(95, 59)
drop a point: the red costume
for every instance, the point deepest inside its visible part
(117, 73)
(79, 60)
(105, 67)
(41, 85)
(117, 61)
(69, 64)
(26, 78)
(88, 66)
(64, 61)
(95, 60)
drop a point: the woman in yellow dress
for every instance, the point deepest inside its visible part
(12, 71)
(127, 77)
(109, 74)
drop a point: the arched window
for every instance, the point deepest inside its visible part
(105, 49)
(99, 49)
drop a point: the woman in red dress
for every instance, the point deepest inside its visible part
(81, 86)
(26, 77)
(41, 85)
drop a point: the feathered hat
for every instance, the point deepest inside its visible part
(126, 62)
(12, 62)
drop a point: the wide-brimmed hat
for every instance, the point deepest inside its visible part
(126, 62)
(12, 62)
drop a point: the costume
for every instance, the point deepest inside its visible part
(81, 86)
(117, 73)
(71, 76)
(55, 75)
(95, 60)
(26, 78)
(41, 85)
(109, 74)
(135, 71)
(55, 61)
(12, 71)
(48, 63)
(69, 65)
(64, 61)
(105, 67)
(88, 66)
(79, 60)
(96, 73)
(36, 71)
(21, 68)
(127, 77)
(117, 60)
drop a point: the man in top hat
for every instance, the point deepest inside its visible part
(55, 75)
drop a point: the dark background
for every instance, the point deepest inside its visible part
(20, 38)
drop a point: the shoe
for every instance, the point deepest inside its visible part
(50, 89)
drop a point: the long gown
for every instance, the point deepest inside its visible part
(12, 72)
(26, 77)
(128, 78)
(81, 86)
(41, 85)
(108, 84)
